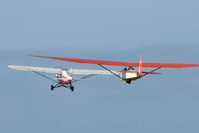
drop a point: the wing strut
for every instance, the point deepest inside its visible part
(45, 76)
(151, 71)
(110, 71)
(87, 76)
(48, 78)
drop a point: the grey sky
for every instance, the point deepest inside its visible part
(163, 31)
(40, 24)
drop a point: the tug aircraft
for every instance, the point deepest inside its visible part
(65, 76)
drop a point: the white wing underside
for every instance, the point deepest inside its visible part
(58, 70)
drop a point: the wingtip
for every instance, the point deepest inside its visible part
(36, 56)
(10, 66)
(31, 55)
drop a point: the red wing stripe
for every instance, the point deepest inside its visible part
(118, 63)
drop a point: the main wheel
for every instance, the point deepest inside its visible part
(128, 81)
(72, 88)
(52, 88)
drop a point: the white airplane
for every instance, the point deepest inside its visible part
(65, 76)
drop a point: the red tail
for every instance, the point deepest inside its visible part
(140, 66)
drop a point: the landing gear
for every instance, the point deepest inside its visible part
(52, 88)
(66, 86)
(128, 81)
(72, 88)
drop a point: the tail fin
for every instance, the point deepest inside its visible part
(140, 66)
(71, 72)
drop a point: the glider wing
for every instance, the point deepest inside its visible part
(118, 63)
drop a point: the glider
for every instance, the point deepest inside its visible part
(64, 77)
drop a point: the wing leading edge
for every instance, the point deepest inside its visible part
(58, 70)
(118, 63)
(36, 69)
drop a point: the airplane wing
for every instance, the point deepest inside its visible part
(118, 63)
(87, 72)
(36, 69)
(58, 70)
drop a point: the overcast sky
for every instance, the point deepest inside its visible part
(163, 31)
